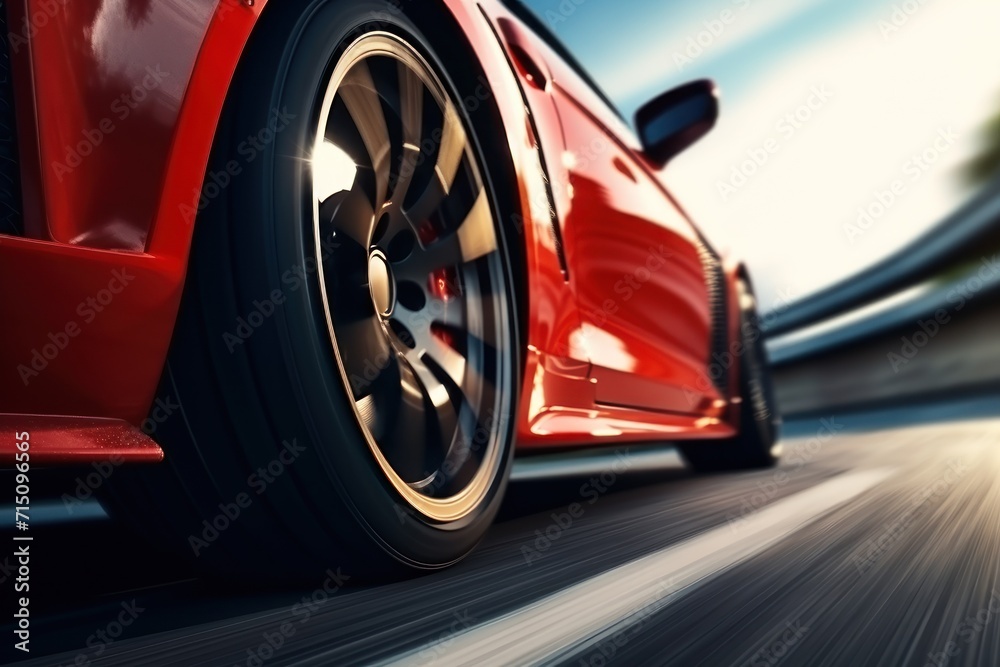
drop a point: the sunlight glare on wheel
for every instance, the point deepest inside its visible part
(333, 171)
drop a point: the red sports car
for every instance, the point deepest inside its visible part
(331, 260)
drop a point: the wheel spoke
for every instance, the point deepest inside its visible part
(453, 144)
(475, 238)
(349, 214)
(451, 150)
(444, 396)
(411, 103)
(426, 344)
(403, 427)
(366, 354)
(411, 114)
(476, 235)
(365, 107)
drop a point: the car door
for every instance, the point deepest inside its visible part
(637, 266)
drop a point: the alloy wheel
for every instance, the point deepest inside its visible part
(413, 278)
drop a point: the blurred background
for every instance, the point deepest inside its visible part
(855, 167)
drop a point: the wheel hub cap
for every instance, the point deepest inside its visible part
(381, 283)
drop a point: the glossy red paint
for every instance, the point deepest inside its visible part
(600, 362)
(641, 285)
(91, 329)
(137, 218)
(632, 360)
(74, 440)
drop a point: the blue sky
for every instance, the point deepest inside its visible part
(902, 83)
(652, 31)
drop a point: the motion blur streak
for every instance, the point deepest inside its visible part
(895, 575)
(560, 622)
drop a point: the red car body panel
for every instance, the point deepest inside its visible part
(114, 155)
(78, 440)
(111, 366)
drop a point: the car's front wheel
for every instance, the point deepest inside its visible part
(346, 359)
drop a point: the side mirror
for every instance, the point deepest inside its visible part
(673, 121)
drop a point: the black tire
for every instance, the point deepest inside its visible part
(240, 398)
(755, 444)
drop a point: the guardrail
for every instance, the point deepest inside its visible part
(902, 330)
(979, 284)
(957, 238)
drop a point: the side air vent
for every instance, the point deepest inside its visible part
(715, 282)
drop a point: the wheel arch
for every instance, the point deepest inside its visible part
(113, 368)
(207, 90)
(228, 35)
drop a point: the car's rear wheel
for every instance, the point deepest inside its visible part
(755, 446)
(346, 359)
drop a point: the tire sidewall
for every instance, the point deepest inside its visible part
(760, 420)
(283, 237)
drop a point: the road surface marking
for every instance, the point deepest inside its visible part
(548, 467)
(560, 623)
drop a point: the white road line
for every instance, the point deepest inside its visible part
(548, 467)
(568, 618)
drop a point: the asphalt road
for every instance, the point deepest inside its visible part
(877, 542)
